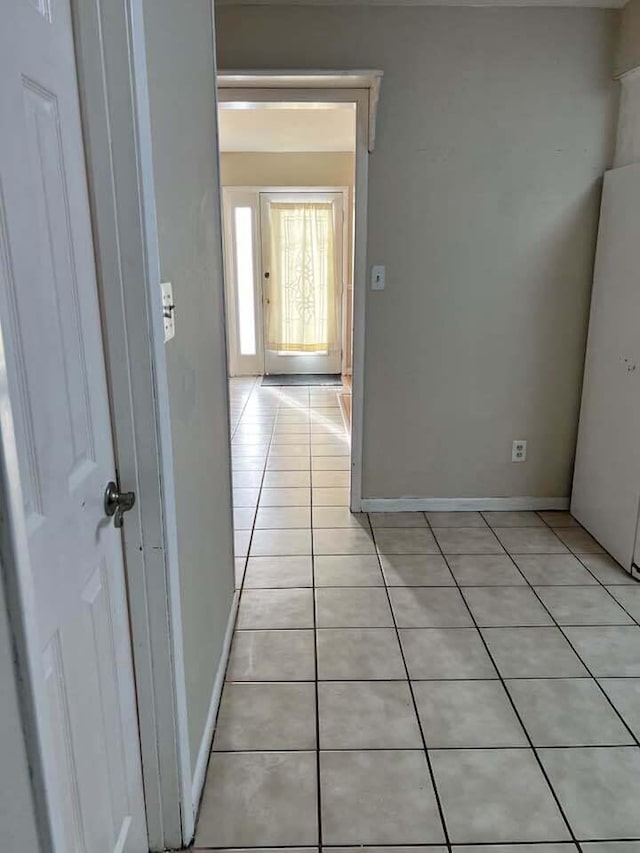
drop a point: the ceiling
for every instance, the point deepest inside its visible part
(286, 127)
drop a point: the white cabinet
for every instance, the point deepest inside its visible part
(606, 487)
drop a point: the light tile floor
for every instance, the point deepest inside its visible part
(401, 680)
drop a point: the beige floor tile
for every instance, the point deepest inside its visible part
(502, 606)
(582, 605)
(416, 570)
(455, 519)
(259, 798)
(554, 570)
(285, 497)
(367, 715)
(513, 519)
(605, 569)
(406, 540)
(557, 518)
(278, 572)
(567, 712)
(266, 717)
(267, 543)
(339, 516)
(246, 497)
(533, 653)
(530, 540)
(467, 540)
(331, 463)
(243, 518)
(272, 656)
(283, 517)
(397, 519)
(629, 598)
(578, 540)
(329, 496)
(467, 714)
(444, 653)
(288, 463)
(287, 479)
(495, 796)
(485, 570)
(378, 797)
(331, 479)
(241, 540)
(342, 540)
(275, 609)
(350, 570)
(360, 607)
(429, 607)
(300, 450)
(359, 654)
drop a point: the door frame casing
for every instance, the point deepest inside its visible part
(111, 59)
(365, 99)
(232, 194)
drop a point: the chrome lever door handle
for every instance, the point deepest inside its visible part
(116, 503)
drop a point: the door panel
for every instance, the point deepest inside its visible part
(606, 484)
(303, 270)
(57, 384)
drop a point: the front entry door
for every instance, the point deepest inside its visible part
(57, 388)
(302, 268)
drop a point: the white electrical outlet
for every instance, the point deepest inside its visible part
(519, 450)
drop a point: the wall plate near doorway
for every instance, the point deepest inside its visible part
(168, 311)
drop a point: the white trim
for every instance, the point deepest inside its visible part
(163, 421)
(360, 279)
(307, 83)
(229, 83)
(461, 504)
(207, 738)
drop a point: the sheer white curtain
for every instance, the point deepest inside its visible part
(303, 310)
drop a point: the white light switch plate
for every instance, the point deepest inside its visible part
(168, 311)
(377, 277)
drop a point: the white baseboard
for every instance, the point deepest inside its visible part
(207, 736)
(461, 504)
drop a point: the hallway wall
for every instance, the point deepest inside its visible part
(494, 128)
(180, 60)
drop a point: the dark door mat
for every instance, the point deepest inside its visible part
(302, 379)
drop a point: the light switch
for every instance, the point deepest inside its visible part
(377, 277)
(168, 311)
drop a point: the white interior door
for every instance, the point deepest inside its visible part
(55, 365)
(302, 281)
(606, 484)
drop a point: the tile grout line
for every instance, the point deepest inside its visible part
(315, 641)
(579, 656)
(526, 584)
(445, 830)
(515, 710)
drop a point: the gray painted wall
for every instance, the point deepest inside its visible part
(628, 53)
(494, 128)
(180, 59)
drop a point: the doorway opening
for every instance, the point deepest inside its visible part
(288, 178)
